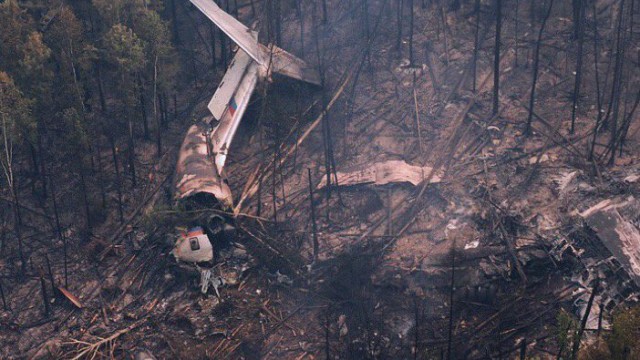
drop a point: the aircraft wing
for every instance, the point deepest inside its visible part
(230, 102)
(240, 34)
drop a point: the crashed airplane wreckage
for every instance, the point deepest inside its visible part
(200, 175)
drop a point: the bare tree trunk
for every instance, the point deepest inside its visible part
(536, 60)
(17, 224)
(583, 322)
(85, 200)
(411, 33)
(476, 44)
(114, 154)
(576, 88)
(98, 75)
(598, 95)
(399, 21)
(174, 23)
(496, 59)
(443, 18)
(59, 233)
(517, 20)
(212, 35)
(325, 15)
(316, 245)
(155, 107)
(452, 290)
(301, 21)
(143, 107)
(278, 22)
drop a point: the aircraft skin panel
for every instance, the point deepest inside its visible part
(240, 34)
(229, 84)
(223, 134)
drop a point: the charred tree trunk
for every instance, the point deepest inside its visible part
(399, 21)
(616, 88)
(143, 107)
(98, 75)
(576, 88)
(597, 75)
(114, 153)
(174, 23)
(411, 33)
(536, 60)
(316, 245)
(476, 42)
(17, 227)
(496, 59)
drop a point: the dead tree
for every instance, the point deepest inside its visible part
(496, 59)
(56, 217)
(410, 33)
(598, 95)
(316, 245)
(301, 21)
(517, 21)
(579, 32)
(400, 4)
(536, 60)
(583, 323)
(325, 16)
(616, 88)
(476, 44)
(452, 290)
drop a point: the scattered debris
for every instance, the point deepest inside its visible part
(283, 279)
(193, 247)
(392, 171)
(144, 355)
(72, 298)
(206, 280)
(632, 178)
(472, 245)
(613, 221)
(342, 325)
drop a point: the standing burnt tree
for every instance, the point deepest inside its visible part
(536, 61)
(496, 59)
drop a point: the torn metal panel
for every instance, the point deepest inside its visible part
(193, 247)
(196, 172)
(392, 171)
(616, 224)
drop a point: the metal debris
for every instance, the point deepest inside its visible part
(207, 279)
(392, 171)
(193, 247)
(615, 223)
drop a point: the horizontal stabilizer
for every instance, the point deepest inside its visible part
(287, 64)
